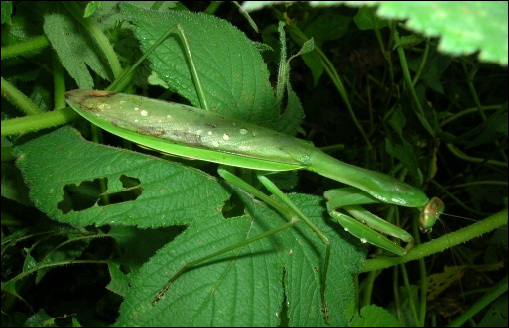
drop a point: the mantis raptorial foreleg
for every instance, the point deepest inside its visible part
(357, 218)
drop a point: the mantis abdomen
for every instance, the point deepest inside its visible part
(193, 128)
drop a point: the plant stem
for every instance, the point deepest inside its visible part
(440, 244)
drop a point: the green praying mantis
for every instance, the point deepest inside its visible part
(201, 134)
(195, 133)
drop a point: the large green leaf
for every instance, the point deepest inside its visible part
(465, 27)
(233, 75)
(244, 287)
(167, 193)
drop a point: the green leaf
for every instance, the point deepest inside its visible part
(5, 17)
(374, 316)
(435, 68)
(62, 253)
(313, 61)
(464, 27)
(409, 297)
(232, 73)
(329, 26)
(13, 187)
(398, 121)
(119, 283)
(495, 126)
(40, 319)
(167, 193)
(326, 27)
(243, 287)
(405, 153)
(366, 19)
(91, 7)
(75, 50)
(136, 253)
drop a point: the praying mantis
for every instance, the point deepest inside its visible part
(200, 134)
(203, 135)
(194, 133)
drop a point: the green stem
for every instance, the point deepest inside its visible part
(423, 63)
(18, 99)
(409, 83)
(467, 111)
(37, 122)
(53, 265)
(458, 153)
(475, 96)
(423, 283)
(212, 7)
(400, 312)
(440, 244)
(299, 37)
(411, 301)
(244, 13)
(470, 78)
(30, 47)
(482, 303)
(59, 83)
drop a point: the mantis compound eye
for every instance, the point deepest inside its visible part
(430, 213)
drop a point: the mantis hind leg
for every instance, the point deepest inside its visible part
(293, 214)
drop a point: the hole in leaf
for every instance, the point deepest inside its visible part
(83, 196)
(233, 207)
(132, 191)
(88, 193)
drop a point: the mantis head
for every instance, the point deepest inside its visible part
(430, 213)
